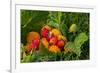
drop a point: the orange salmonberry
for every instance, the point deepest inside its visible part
(34, 45)
(31, 36)
(45, 42)
(54, 49)
(29, 47)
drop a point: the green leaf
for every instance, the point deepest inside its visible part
(33, 57)
(63, 28)
(53, 24)
(79, 40)
(28, 16)
(70, 45)
(27, 59)
(70, 56)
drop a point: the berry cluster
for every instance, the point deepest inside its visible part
(52, 39)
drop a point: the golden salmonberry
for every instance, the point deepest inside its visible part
(55, 32)
(54, 49)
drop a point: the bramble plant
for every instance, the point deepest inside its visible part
(54, 36)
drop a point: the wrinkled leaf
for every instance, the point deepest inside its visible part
(79, 40)
(70, 45)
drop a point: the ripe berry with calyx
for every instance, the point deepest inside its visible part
(61, 44)
(53, 40)
(45, 31)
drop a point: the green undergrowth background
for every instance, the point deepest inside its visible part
(32, 20)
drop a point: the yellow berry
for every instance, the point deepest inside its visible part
(55, 32)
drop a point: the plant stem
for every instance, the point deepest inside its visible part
(59, 17)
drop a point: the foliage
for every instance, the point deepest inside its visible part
(78, 42)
